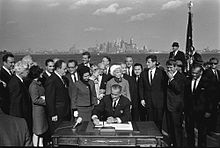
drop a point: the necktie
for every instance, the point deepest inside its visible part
(150, 79)
(137, 78)
(194, 86)
(73, 77)
(128, 71)
(114, 105)
(216, 75)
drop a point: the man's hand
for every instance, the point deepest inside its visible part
(55, 118)
(96, 121)
(170, 75)
(111, 120)
(42, 97)
(76, 114)
(143, 103)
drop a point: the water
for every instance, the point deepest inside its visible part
(116, 58)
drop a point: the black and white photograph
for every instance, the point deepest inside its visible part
(131, 73)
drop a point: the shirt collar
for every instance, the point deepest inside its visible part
(48, 73)
(175, 52)
(19, 78)
(58, 75)
(8, 71)
(175, 73)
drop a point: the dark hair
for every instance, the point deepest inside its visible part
(107, 57)
(5, 57)
(116, 86)
(171, 62)
(213, 58)
(71, 61)
(58, 64)
(129, 57)
(35, 72)
(47, 61)
(152, 57)
(138, 64)
(86, 53)
(175, 44)
(194, 66)
(82, 70)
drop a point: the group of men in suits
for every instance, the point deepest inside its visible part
(15, 104)
(155, 93)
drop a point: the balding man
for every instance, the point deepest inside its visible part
(113, 108)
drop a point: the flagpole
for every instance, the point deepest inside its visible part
(189, 41)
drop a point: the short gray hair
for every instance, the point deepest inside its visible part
(20, 67)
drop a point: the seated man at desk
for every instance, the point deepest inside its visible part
(113, 108)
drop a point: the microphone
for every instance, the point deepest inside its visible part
(78, 121)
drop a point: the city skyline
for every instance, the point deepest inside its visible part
(62, 24)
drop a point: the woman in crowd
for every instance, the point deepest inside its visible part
(116, 72)
(36, 91)
(84, 97)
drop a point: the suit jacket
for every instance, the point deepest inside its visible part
(105, 79)
(81, 96)
(5, 76)
(175, 93)
(13, 131)
(154, 94)
(132, 89)
(104, 109)
(199, 101)
(214, 85)
(20, 101)
(132, 71)
(179, 56)
(71, 88)
(57, 97)
(45, 77)
(40, 124)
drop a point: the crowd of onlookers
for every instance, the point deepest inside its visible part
(184, 95)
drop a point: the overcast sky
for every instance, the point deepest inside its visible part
(59, 24)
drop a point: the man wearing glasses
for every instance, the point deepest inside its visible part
(113, 108)
(213, 74)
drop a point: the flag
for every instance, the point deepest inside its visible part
(189, 42)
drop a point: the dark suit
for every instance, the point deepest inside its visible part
(154, 95)
(215, 97)
(13, 131)
(104, 109)
(141, 109)
(57, 101)
(45, 76)
(5, 76)
(105, 79)
(20, 101)
(196, 104)
(71, 90)
(134, 96)
(175, 104)
(179, 56)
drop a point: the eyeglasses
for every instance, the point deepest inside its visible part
(214, 63)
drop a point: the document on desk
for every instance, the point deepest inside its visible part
(117, 126)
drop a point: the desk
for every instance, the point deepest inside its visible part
(143, 134)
